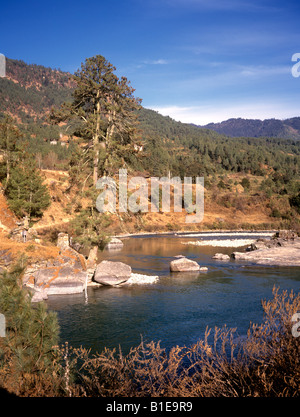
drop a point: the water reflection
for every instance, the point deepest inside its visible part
(176, 309)
(185, 277)
(146, 253)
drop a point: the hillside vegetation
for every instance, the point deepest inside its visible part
(287, 129)
(249, 182)
(58, 135)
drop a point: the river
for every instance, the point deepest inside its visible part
(178, 307)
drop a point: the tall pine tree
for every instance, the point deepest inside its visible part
(21, 181)
(104, 108)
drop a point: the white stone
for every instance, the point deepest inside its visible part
(140, 279)
(221, 257)
(112, 273)
(184, 265)
(115, 243)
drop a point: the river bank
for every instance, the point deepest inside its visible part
(176, 307)
(279, 249)
(211, 232)
(65, 271)
(267, 247)
(286, 254)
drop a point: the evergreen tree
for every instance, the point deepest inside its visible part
(26, 193)
(104, 105)
(88, 228)
(22, 183)
(27, 357)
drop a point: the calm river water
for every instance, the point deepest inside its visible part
(178, 307)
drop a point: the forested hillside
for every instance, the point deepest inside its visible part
(188, 150)
(286, 129)
(240, 172)
(30, 91)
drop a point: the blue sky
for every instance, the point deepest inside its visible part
(197, 61)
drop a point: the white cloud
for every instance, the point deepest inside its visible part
(202, 115)
(160, 62)
(156, 62)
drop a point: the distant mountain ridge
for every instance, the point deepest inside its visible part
(272, 128)
(29, 91)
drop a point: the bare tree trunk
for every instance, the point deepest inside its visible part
(96, 161)
(96, 142)
(109, 134)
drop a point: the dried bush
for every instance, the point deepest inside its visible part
(266, 363)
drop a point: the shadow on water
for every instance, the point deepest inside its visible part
(177, 308)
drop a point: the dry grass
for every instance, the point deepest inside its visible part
(266, 364)
(235, 209)
(32, 250)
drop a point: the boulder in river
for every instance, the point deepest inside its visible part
(221, 257)
(115, 243)
(184, 264)
(112, 273)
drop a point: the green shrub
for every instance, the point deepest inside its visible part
(27, 355)
(245, 183)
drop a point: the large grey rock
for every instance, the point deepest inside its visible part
(183, 264)
(112, 273)
(115, 243)
(39, 296)
(221, 257)
(43, 276)
(62, 286)
(65, 274)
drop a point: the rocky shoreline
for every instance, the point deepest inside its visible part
(69, 272)
(283, 249)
